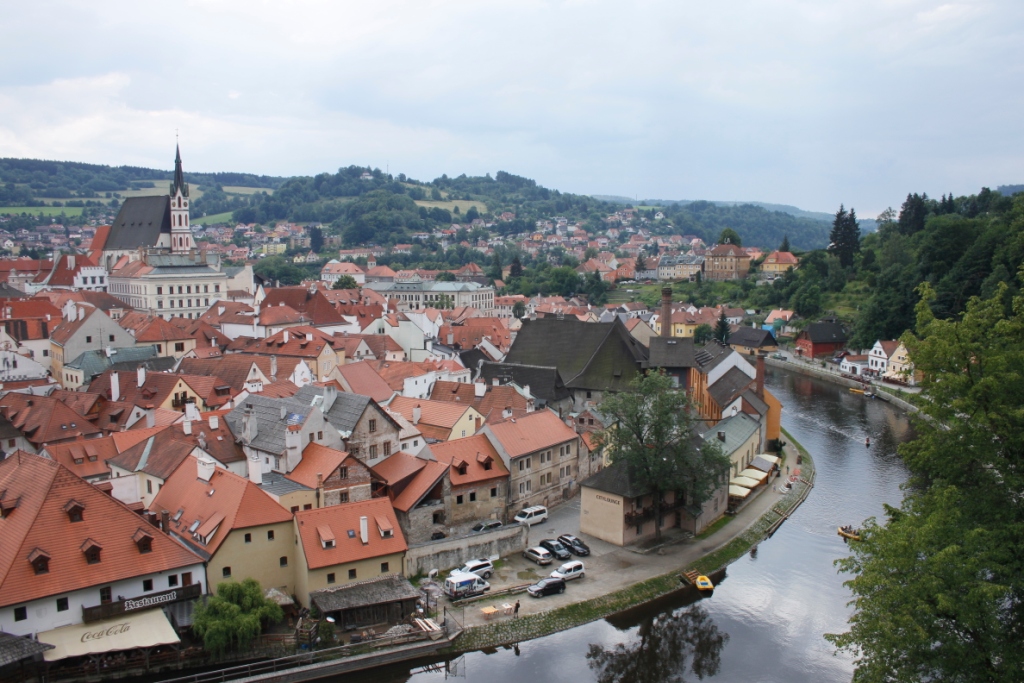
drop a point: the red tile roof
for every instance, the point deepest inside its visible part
(241, 503)
(425, 480)
(537, 430)
(433, 413)
(42, 489)
(474, 455)
(339, 520)
(495, 399)
(45, 420)
(316, 459)
(361, 378)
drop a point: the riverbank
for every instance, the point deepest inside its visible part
(882, 392)
(708, 556)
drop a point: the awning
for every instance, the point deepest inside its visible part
(756, 475)
(759, 463)
(144, 629)
(745, 482)
(775, 460)
(738, 491)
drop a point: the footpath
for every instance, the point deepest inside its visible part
(621, 578)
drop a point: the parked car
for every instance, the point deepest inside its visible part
(482, 568)
(574, 545)
(438, 535)
(486, 526)
(548, 586)
(462, 585)
(555, 548)
(779, 356)
(569, 571)
(532, 515)
(538, 555)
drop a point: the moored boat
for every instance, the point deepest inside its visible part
(850, 533)
(704, 583)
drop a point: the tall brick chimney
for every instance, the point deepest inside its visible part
(666, 311)
(759, 375)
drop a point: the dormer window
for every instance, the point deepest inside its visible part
(92, 550)
(74, 510)
(143, 540)
(40, 561)
(8, 506)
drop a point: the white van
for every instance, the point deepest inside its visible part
(463, 585)
(532, 515)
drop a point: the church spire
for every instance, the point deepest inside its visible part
(179, 175)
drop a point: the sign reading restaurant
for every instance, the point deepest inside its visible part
(112, 609)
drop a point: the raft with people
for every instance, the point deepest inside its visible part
(849, 532)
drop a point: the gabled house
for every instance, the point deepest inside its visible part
(479, 480)
(750, 340)
(438, 420)
(493, 401)
(880, 355)
(85, 328)
(367, 431)
(337, 477)
(824, 338)
(43, 420)
(901, 368)
(420, 493)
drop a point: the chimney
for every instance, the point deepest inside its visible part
(71, 261)
(364, 530)
(255, 470)
(416, 413)
(479, 389)
(187, 427)
(293, 447)
(759, 376)
(494, 382)
(214, 422)
(666, 312)
(285, 336)
(141, 373)
(192, 413)
(309, 336)
(284, 412)
(330, 395)
(202, 440)
(150, 417)
(205, 468)
(273, 368)
(319, 488)
(165, 521)
(115, 387)
(249, 427)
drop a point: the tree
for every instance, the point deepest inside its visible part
(234, 617)
(703, 334)
(345, 282)
(472, 213)
(784, 247)
(589, 253)
(937, 588)
(845, 236)
(518, 309)
(730, 236)
(316, 239)
(515, 269)
(444, 301)
(495, 271)
(722, 331)
(641, 263)
(445, 276)
(654, 436)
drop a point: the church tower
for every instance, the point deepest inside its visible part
(181, 233)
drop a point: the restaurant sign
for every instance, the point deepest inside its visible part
(113, 609)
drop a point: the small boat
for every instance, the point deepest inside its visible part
(850, 533)
(857, 391)
(867, 442)
(704, 583)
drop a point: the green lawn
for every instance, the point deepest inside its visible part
(463, 205)
(214, 218)
(238, 189)
(45, 210)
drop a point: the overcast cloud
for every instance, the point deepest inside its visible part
(810, 102)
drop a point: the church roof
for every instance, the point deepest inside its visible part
(139, 223)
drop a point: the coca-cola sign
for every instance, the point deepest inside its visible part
(114, 630)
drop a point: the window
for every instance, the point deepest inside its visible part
(88, 340)
(330, 578)
(311, 437)
(147, 585)
(40, 564)
(373, 425)
(295, 508)
(343, 473)
(20, 613)
(206, 289)
(283, 561)
(351, 574)
(270, 535)
(373, 451)
(320, 436)
(159, 290)
(248, 537)
(472, 496)
(106, 595)
(494, 492)
(384, 567)
(11, 443)
(179, 346)
(458, 500)
(226, 572)
(172, 580)
(387, 448)
(62, 604)
(46, 353)
(149, 486)
(111, 337)
(92, 554)
(343, 497)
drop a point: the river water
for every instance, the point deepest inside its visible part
(766, 617)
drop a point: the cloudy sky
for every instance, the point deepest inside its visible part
(805, 102)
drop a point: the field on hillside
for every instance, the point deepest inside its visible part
(213, 218)
(45, 210)
(463, 205)
(238, 189)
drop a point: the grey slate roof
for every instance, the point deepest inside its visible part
(752, 338)
(737, 428)
(545, 382)
(276, 484)
(94, 363)
(270, 428)
(826, 332)
(616, 479)
(16, 648)
(752, 398)
(671, 352)
(378, 591)
(710, 355)
(602, 356)
(345, 412)
(159, 364)
(140, 222)
(8, 430)
(729, 386)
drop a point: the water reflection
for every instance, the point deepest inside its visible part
(663, 649)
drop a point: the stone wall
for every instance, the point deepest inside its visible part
(452, 552)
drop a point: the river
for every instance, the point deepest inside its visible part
(766, 618)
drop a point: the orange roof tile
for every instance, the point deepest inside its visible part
(361, 378)
(316, 459)
(42, 489)
(339, 520)
(425, 480)
(481, 461)
(45, 420)
(533, 432)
